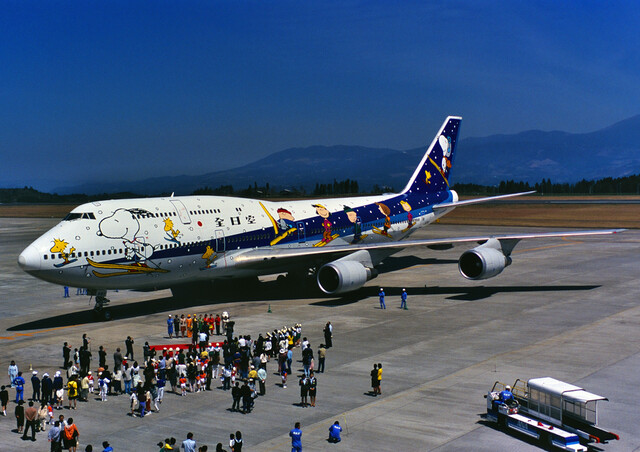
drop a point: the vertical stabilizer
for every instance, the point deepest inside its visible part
(432, 174)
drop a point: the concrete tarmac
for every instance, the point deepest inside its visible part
(569, 309)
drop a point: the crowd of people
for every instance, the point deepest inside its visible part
(240, 363)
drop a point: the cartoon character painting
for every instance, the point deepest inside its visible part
(59, 247)
(285, 223)
(172, 234)
(209, 256)
(124, 225)
(407, 208)
(326, 224)
(445, 144)
(357, 225)
(384, 210)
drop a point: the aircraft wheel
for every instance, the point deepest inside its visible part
(106, 315)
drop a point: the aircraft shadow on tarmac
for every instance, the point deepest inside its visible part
(278, 290)
(462, 293)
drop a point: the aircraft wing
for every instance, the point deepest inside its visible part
(285, 257)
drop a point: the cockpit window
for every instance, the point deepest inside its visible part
(76, 216)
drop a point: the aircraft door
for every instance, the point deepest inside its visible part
(183, 213)
(220, 241)
(301, 232)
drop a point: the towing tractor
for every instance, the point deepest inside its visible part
(507, 414)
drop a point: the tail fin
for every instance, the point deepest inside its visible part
(432, 174)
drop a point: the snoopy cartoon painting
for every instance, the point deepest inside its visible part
(124, 225)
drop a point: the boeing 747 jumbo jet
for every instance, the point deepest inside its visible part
(177, 242)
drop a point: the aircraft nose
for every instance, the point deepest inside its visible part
(29, 259)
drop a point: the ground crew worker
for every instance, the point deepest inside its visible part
(381, 295)
(403, 297)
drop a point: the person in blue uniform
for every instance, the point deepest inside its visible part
(296, 438)
(334, 432)
(170, 326)
(381, 295)
(506, 396)
(18, 382)
(403, 297)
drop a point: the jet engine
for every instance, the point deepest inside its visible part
(484, 261)
(343, 276)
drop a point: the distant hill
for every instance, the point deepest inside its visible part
(527, 156)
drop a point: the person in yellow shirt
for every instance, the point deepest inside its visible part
(379, 378)
(72, 392)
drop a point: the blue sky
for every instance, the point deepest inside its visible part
(125, 90)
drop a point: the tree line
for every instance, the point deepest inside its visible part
(605, 186)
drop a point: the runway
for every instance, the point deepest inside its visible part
(568, 309)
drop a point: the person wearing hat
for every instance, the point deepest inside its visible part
(506, 396)
(47, 387)
(35, 383)
(403, 297)
(381, 295)
(106, 447)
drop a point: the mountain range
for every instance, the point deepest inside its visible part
(529, 156)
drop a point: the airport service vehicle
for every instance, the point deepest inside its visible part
(189, 243)
(558, 414)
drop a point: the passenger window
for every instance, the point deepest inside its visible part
(91, 253)
(46, 257)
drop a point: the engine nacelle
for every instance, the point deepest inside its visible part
(484, 261)
(342, 276)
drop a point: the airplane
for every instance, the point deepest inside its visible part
(179, 242)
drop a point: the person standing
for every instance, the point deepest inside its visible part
(218, 321)
(4, 399)
(403, 297)
(66, 356)
(236, 394)
(313, 388)
(47, 388)
(13, 372)
(170, 326)
(328, 335)
(18, 383)
(72, 392)
(54, 437)
(35, 383)
(379, 378)
(30, 415)
(102, 357)
(374, 379)
(19, 412)
(262, 378)
(66, 292)
(381, 295)
(322, 354)
(296, 438)
(129, 345)
(117, 359)
(189, 445)
(70, 436)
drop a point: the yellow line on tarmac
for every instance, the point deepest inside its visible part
(15, 336)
